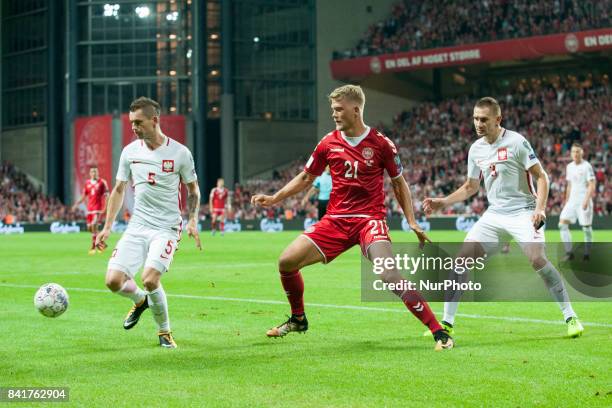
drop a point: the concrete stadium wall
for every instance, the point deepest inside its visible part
(265, 145)
(26, 148)
(340, 24)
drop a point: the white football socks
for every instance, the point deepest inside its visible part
(452, 297)
(553, 281)
(450, 310)
(159, 308)
(588, 239)
(131, 290)
(566, 237)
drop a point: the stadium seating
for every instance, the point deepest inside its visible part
(21, 202)
(423, 24)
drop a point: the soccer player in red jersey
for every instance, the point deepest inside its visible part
(95, 192)
(217, 202)
(357, 156)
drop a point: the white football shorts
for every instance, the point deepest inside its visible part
(144, 245)
(492, 228)
(573, 210)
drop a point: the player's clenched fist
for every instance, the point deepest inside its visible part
(263, 200)
(432, 204)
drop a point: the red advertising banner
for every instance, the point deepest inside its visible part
(92, 147)
(506, 50)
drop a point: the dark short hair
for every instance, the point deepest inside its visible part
(576, 144)
(149, 106)
(491, 103)
(93, 167)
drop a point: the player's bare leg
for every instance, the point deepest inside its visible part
(159, 305)
(300, 253)
(222, 223)
(536, 253)
(120, 283)
(213, 223)
(92, 230)
(413, 300)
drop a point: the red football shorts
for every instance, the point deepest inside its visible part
(218, 211)
(93, 218)
(332, 236)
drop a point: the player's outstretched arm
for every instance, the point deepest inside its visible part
(114, 203)
(404, 197)
(75, 205)
(309, 194)
(539, 215)
(299, 183)
(468, 189)
(193, 208)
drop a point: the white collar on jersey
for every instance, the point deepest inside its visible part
(500, 136)
(354, 141)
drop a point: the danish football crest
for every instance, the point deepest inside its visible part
(367, 153)
(167, 166)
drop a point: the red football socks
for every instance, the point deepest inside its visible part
(294, 288)
(420, 309)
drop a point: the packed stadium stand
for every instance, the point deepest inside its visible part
(21, 201)
(424, 24)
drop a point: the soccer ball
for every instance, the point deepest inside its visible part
(51, 300)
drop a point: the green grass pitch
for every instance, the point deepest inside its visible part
(223, 299)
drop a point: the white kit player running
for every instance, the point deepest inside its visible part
(157, 165)
(507, 163)
(578, 202)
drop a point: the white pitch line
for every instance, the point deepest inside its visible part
(330, 306)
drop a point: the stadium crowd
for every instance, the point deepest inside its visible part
(21, 201)
(424, 24)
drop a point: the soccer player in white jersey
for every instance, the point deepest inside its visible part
(578, 202)
(507, 163)
(157, 165)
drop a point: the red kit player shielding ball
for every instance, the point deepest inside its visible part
(217, 202)
(95, 192)
(358, 157)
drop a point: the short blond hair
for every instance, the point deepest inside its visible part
(491, 103)
(350, 92)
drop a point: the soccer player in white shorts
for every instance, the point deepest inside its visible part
(507, 163)
(157, 166)
(578, 202)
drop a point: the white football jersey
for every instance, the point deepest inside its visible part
(503, 165)
(579, 176)
(156, 175)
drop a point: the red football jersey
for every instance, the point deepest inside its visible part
(95, 190)
(219, 198)
(357, 172)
